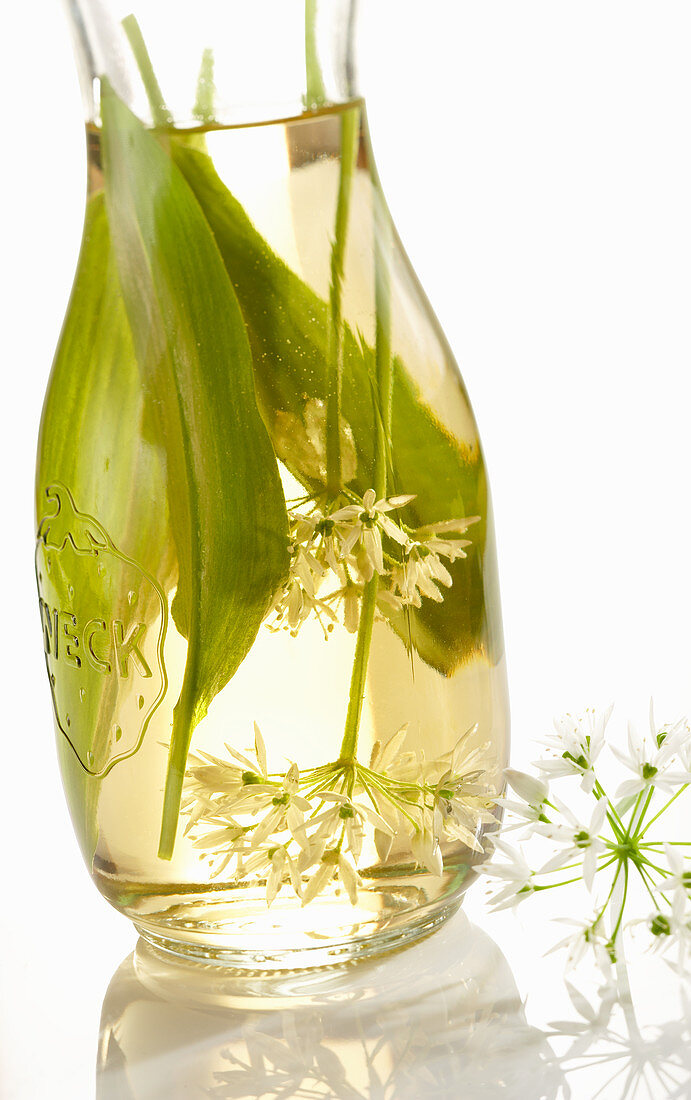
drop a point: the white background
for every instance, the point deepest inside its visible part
(536, 157)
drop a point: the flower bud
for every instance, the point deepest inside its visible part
(532, 790)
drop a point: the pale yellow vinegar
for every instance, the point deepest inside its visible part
(296, 688)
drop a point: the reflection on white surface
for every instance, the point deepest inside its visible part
(606, 1051)
(441, 1019)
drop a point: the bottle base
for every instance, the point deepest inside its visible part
(314, 954)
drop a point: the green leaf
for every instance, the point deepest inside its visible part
(288, 327)
(92, 439)
(227, 508)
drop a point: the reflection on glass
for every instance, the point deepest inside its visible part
(441, 1019)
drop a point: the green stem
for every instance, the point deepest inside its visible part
(643, 813)
(615, 821)
(634, 813)
(315, 92)
(359, 674)
(185, 720)
(647, 879)
(660, 843)
(383, 350)
(159, 111)
(649, 863)
(609, 896)
(350, 130)
(206, 91)
(383, 412)
(553, 885)
(623, 904)
(579, 878)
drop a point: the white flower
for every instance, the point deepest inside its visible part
(684, 746)
(216, 788)
(222, 844)
(649, 758)
(346, 545)
(580, 840)
(317, 531)
(532, 790)
(425, 847)
(285, 809)
(297, 599)
(534, 793)
(240, 810)
(418, 575)
(578, 743)
(672, 929)
(460, 809)
(344, 816)
(331, 863)
(677, 735)
(516, 874)
(680, 878)
(281, 863)
(422, 570)
(363, 524)
(384, 756)
(587, 936)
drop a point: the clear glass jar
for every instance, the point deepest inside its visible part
(265, 551)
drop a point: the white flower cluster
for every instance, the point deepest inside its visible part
(308, 830)
(334, 554)
(431, 802)
(608, 843)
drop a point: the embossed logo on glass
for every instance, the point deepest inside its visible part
(104, 620)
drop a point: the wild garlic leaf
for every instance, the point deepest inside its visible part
(93, 440)
(288, 327)
(227, 507)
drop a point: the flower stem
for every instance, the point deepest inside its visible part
(383, 412)
(359, 673)
(315, 97)
(623, 903)
(159, 111)
(649, 863)
(203, 109)
(350, 132)
(553, 885)
(383, 351)
(647, 879)
(671, 843)
(634, 812)
(643, 812)
(315, 92)
(609, 896)
(615, 821)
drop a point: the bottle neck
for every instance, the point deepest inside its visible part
(232, 62)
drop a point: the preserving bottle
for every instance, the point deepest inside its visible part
(265, 552)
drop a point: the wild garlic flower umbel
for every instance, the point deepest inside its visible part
(605, 842)
(335, 552)
(316, 830)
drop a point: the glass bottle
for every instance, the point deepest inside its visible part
(264, 538)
